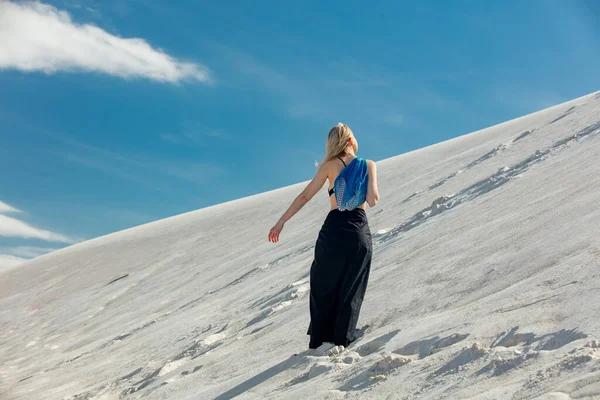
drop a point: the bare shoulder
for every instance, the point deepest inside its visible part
(371, 164)
(326, 166)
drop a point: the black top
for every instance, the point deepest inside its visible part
(331, 190)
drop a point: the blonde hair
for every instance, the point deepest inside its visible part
(337, 142)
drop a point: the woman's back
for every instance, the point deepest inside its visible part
(334, 168)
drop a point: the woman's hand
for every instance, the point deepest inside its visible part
(275, 230)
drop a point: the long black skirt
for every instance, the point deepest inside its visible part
(338, 277)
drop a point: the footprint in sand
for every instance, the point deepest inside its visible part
(379, 371)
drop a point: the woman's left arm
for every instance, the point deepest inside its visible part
(309, 191)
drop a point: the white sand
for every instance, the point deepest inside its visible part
(485, 285)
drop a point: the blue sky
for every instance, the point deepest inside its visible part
(117, 113)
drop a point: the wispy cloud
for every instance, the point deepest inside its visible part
(137, 168)
(192, 171)
(80, 6)
(295, 96)
(170, 137)
(216, 134)
(27, 251)
(322, 92)
(195, 136)
(526, 99)
(395, 120)
(8, 261)
(12, 227)
(5, 208)
(39, 37)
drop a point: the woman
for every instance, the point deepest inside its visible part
(342, 262)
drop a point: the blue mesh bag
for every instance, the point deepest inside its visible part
(350, 187)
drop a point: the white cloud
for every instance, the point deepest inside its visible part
(11, 227)
(39, 37)
(5, 208)
(7, 261)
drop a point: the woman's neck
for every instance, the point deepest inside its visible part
(349, 155)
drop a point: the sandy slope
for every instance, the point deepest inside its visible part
(485, 284)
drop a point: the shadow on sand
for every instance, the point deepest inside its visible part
(267, 374)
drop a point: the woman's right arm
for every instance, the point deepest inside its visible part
(372, 190)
